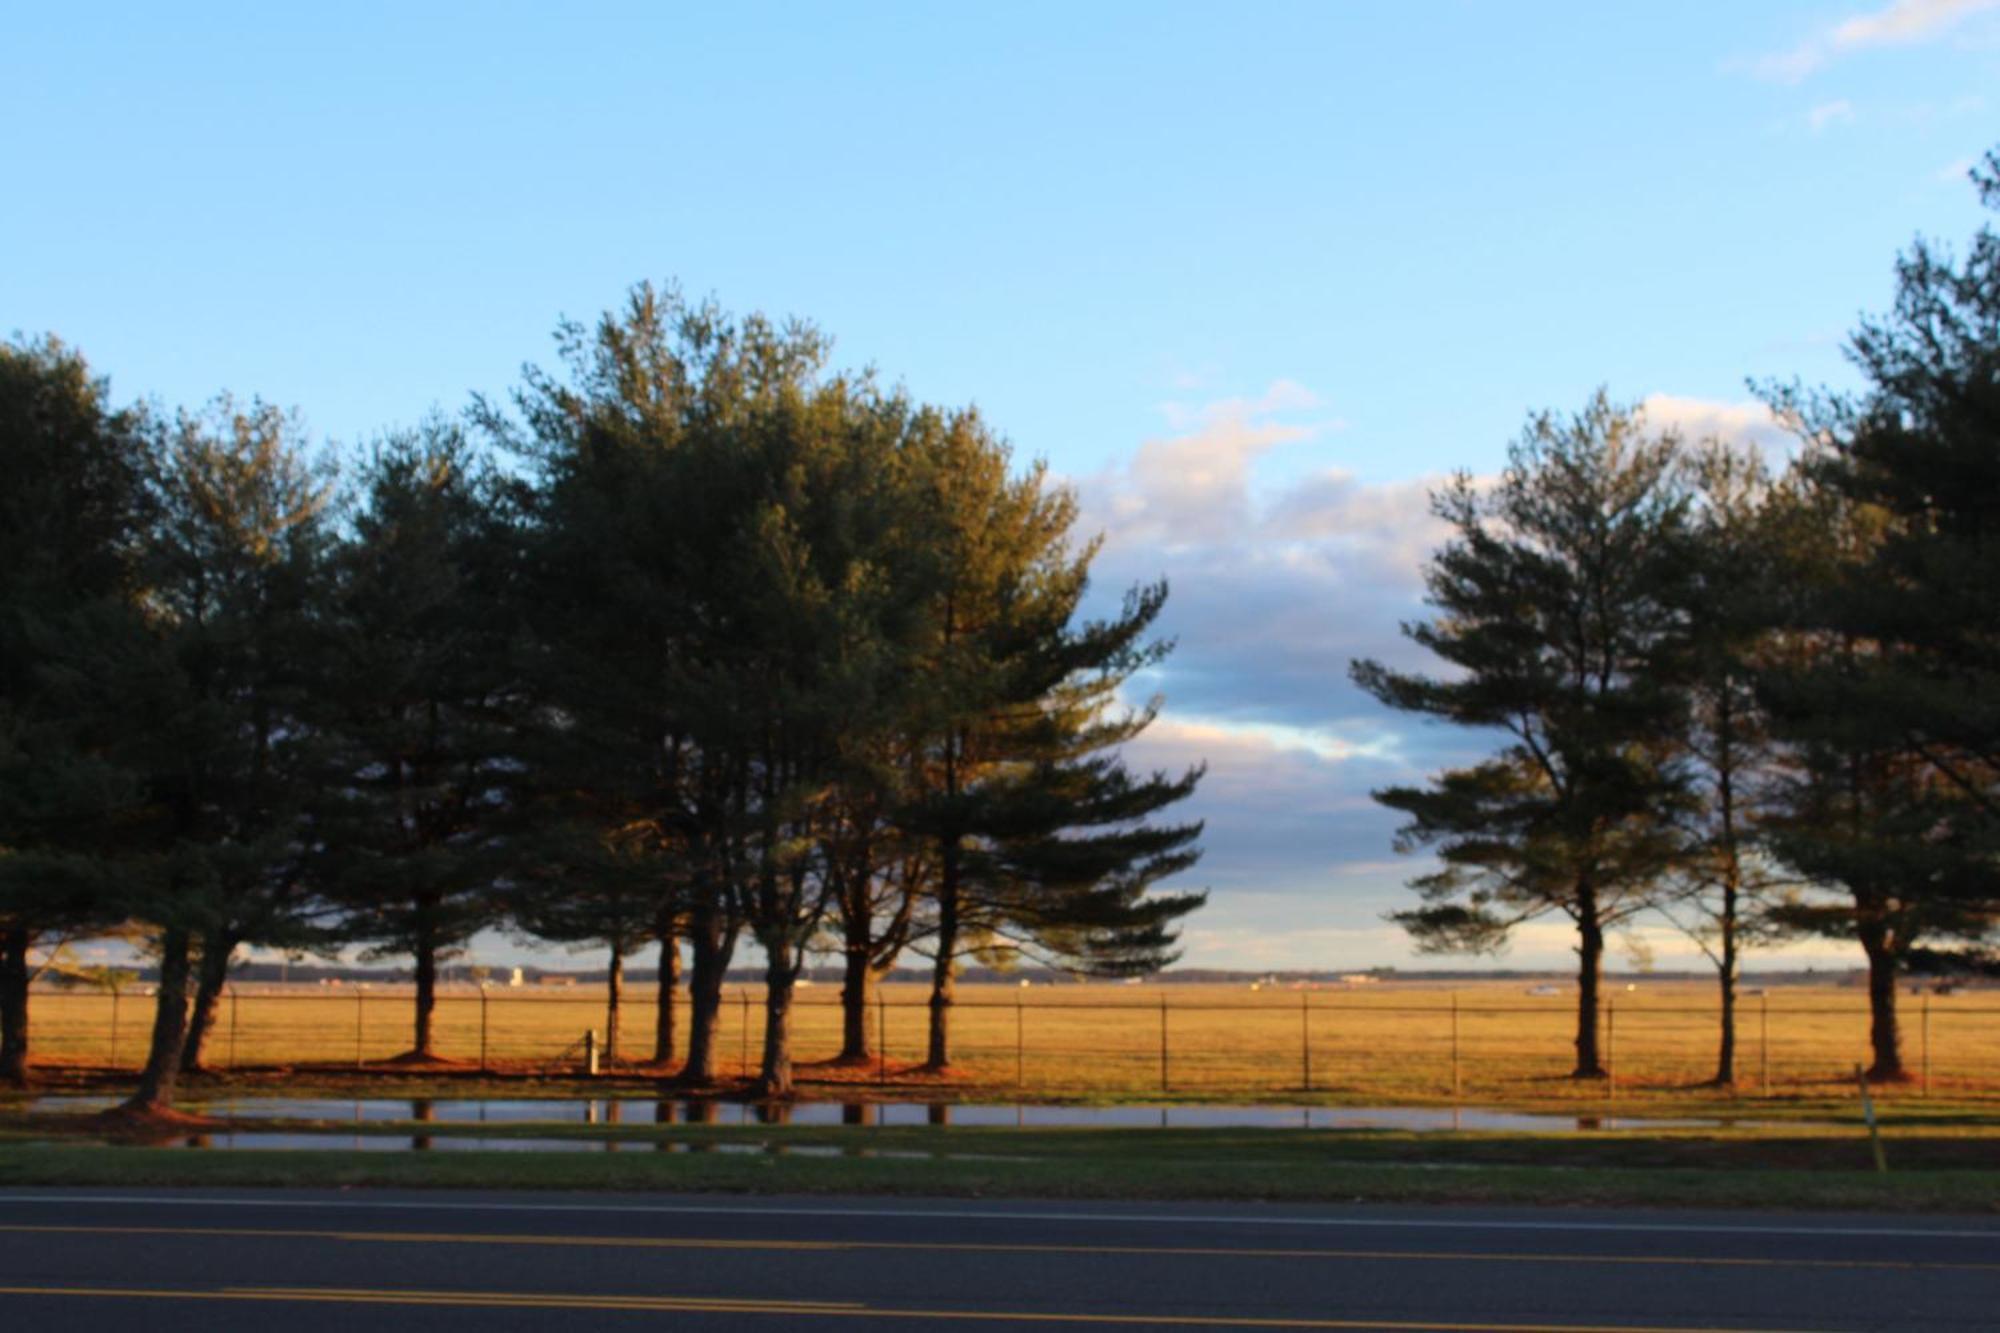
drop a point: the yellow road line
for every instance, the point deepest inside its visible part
(702, 1243)
(798, 1309)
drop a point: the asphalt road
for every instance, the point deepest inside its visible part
(329, 1259)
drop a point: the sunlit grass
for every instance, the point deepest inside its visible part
(1389, 1043)
(1826, 1172)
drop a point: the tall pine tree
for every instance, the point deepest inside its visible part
(423, 696)
(1559, 606)
(1887, 699)
(73, 511)
(234, 756)
(1035, 837)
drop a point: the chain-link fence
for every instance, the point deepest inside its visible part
(1174, 1040)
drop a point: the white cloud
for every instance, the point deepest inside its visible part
(1828, 114)
(1899, 23)
(1257, 747)
(1386, 528)
(1194, 487)
(1737, 424)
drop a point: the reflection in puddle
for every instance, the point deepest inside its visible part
(253, 1140)
(614, 1111)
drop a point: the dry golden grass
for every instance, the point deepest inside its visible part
(1389, 1042)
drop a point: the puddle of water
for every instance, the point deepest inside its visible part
(254, 1140)
(634, 1111)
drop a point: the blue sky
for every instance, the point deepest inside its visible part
(1250, 276)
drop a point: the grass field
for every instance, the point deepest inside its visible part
(1395, 1042)
(1936, 1167)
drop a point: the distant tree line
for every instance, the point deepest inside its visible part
(1764, 701)
(689, 640)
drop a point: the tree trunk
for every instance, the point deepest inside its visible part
(423, 1037)
(856, 957)
(944, 972)
(1590, 976)
(170, 1015)
(944, 985)
(704, 1012)
(210, 979)
(613, 1001)
(781, 974)
(14, 1007)
(1725, 1056)
(1884, 1041)
(670, 978)
(712, 941)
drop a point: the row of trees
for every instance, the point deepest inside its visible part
(687, 641)
(1764, 704)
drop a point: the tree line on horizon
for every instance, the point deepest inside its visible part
(1763, 701)
(688, 640)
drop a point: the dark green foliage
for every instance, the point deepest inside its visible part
(741, 645)
(791, 632)
(422, 697)
(235, 751)
(1890, 695)
(73, 503)
(652, 532)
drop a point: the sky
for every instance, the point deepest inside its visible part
(1253, 278)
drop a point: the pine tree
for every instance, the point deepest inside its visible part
(1888, 698)
(624, 590)
(423, 697)
(234, 754)
(841, 613)
(1856, 811)
(1922, 446)
(1559, 604)
(1035, 837)
(72, 512)
(1723, 881)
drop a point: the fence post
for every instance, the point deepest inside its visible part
(358, 996)
(1764, 1042)
(1455, 1085)
(1305, 1041)
(114, 1029)
(1020, 1044)
(233, 996)
(1868, 1114)
(482, 1029)
(1927, 1045)
(881, 1037)
(1163, 1041)
(1610, 1047)
(744, 1059)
